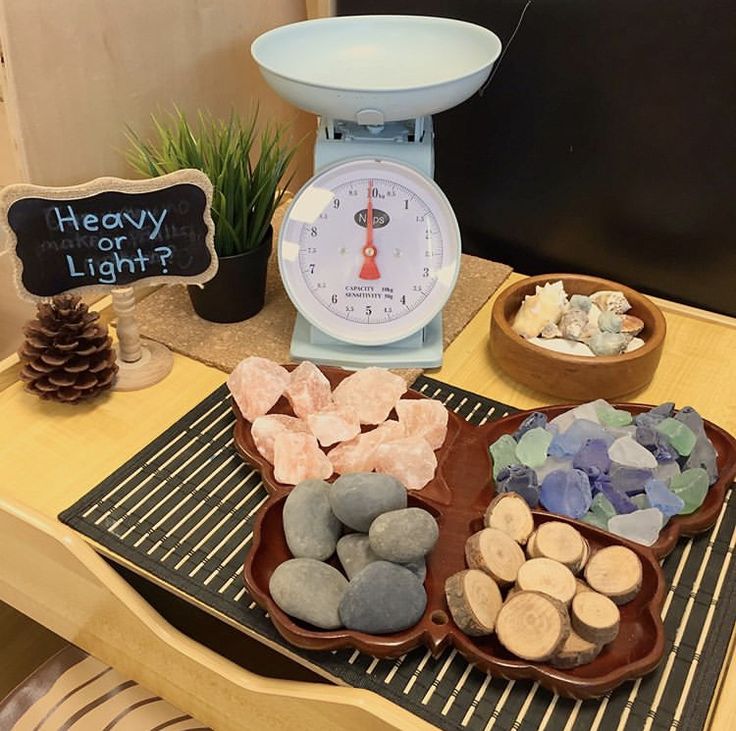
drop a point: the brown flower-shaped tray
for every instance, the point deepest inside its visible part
(457, 497)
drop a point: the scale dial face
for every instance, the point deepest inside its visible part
(369, 251)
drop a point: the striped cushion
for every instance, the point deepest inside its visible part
(73, 691)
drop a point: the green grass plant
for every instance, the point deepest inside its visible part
(245, 161)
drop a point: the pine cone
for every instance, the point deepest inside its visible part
(67, 355)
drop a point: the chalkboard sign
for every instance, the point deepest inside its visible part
(110, 233)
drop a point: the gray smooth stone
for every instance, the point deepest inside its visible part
(309, 590)
(355, 553)
(358, 498)
(418, 568)
(404, 535)
(310, 526)
(382, 598)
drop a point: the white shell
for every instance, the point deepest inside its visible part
(542, 308)
(560, 345)
(611, 300)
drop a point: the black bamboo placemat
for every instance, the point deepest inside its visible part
(183, 510)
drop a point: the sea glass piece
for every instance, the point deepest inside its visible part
(641, 501)
(666, 471)
(691, 486)
(595, 520)
(297, 457)
(587, 411)
(531, 449)
(592, 456)
(704, 453)
(550, 465)
(358, 454)
(520, 479)
(620, 500)
(655, 414)
(630, 480)
(333, 424)
(535, 420)
(569, 442)
(371, 393)
(601, 507)
(424, 418)
(642, 526)
(566, 493)
(662, 498)
(629, 453)
(681, 436)
(309, 390)
(656, 442)
(503, 452)
(410, 460)
(265, 428)
(610, 416)
(256, 384)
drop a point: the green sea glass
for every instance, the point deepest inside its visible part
(532, 447)
(503, 452)
(609, 416)
(681, 436)
(596, 520)
(641, 501)
(691, 486)
(602, 508)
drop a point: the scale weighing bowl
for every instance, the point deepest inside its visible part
(372, 69)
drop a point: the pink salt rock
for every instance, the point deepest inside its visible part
(425, 418)
(371, 393)
(256, 384)
(333, 424)
(309, 390)
(265, 429)
(297, 457)
(410, 460)
(358, 455)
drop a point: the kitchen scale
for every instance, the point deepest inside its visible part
(369, 250)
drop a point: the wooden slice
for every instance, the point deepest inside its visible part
(580, 585)
(595, 617)
(510, 513)
(532, 626)
(495, 552)
(576, 651)
(584, 558)
(615, 571)
(560, 542)
(474, 600)
(548, 577)
(531, 546)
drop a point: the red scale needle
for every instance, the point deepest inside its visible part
(369, 270)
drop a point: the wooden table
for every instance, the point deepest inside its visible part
(51, 455)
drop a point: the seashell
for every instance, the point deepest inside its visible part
(550, 330)
(593, 315)
(574, 325)
(611, 300)
(635, 344)
(540, 309)
(580, 302)
(631, 325)
(605, 343)
(567, 347)
(610, 322)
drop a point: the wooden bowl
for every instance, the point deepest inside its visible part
(575, 377)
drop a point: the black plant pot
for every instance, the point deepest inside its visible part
(238, 290)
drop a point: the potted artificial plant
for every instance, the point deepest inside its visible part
(246, 167)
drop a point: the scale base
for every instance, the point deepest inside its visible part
(421, 350)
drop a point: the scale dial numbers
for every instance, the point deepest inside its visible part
(369, 251)
(406, 251)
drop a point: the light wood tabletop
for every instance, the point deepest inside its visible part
(51, 455)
